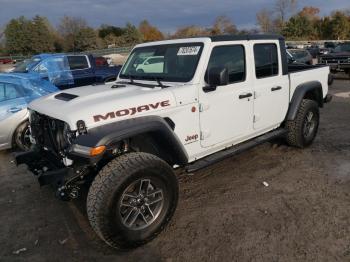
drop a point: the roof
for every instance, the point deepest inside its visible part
(220, 38)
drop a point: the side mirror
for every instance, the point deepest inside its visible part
(216, 76)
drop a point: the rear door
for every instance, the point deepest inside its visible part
(81, 69)
(227, 112)
(12, 102)
(271, 87)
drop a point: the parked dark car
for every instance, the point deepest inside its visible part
(314, 50)
(301, 56)
(67, 71)
(338, 59)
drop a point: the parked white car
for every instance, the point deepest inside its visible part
(153, 64)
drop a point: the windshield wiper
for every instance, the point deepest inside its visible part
(157, 79)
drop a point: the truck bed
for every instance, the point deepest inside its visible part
(301, 74)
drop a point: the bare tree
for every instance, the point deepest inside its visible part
(264, 20)
(223, 25)
(283, 8)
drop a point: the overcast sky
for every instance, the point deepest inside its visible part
(166, 14)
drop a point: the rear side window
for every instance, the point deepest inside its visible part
(2, 92)
(78, 62)
(266, 60)
(10, 91)
(231, 57)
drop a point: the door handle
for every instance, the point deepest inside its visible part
(242, 96)
(14, 110)
(276, 88)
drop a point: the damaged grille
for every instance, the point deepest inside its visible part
(49, 133)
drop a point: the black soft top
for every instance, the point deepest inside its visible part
(220, 38)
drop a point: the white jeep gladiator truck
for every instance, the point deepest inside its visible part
(211, 98)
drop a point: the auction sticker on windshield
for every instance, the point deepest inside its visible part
(189, 50)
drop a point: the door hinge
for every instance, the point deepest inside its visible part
(203, 107)
(256, 118)
(204, 135)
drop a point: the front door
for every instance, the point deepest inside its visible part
(227, 112)
(12, 102)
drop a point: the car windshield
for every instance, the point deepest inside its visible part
(26, 65)
(342, 48)
(298, 54)
(173, 62)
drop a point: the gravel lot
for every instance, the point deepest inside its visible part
(225, 213)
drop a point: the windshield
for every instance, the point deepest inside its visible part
(173, 63)
(342, 48)
(298, 54)
(27, 65)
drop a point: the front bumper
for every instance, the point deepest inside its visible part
(48, 169)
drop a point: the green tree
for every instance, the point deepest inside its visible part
(299, 27)
(340, 25)
(42, 38)
(109, 30)
(85, 39)
(25, 36)
(130, 37)
(77, 35)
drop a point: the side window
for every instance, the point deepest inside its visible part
(266, 60)
(10, 91)
(51, 65)
(41, 68)
(231, 57)
(2, 92)
(78, 62)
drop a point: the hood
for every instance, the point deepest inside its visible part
(101, 104)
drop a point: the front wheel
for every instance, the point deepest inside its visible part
(132, 199)
(303, 129)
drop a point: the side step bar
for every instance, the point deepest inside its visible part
(234, 150)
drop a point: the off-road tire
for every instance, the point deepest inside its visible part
(106, 192)
(19, 139)
(295, 135)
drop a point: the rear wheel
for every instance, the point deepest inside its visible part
(22, 136)
(132, 199)
(303, 129)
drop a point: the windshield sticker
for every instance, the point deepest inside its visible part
(189, 50)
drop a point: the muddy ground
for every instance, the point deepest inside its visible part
(225, 213)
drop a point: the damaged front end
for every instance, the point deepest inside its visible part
(52, 158)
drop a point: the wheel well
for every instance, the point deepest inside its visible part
(153, 144)
(15, 132)
(316, 95)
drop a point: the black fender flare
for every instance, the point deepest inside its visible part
(113, 133)
(300, 93)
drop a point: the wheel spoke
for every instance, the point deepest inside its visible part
(131, 216)
(310, 116)
(149, 211)
(156, 197)
(144, 185)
